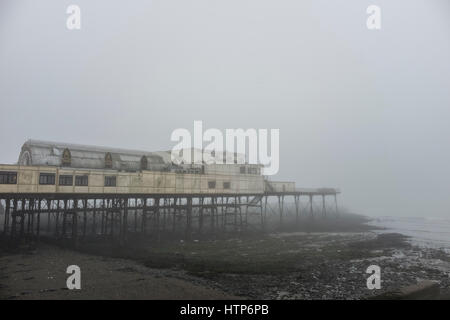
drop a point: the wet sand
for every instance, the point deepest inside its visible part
(41, 274)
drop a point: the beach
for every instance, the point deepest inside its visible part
(276, 265)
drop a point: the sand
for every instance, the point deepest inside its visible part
(329, 263)
(41, 274)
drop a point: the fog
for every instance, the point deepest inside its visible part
(366, 111)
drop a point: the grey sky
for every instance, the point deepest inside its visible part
(366, 111)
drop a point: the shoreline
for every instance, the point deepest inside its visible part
(422, 232)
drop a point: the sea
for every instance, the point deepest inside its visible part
(423, 231)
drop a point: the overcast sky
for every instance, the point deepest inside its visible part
(366, 111)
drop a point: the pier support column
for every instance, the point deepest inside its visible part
(224, 213)
(297, 208)
(262, 213)
(135, 215)
(200, 217)
(22, 218)
(64, 219)
(188, 217)
(240, 213)
(102, 227)
(14, 220)
(75, 223)
(156, 211)
(85, 208)
(265, 209)
(336, 205)
(49, 206)
(94, 218)
(57, 219)
(124, 229)
(144, 216)
(38, 222)
(324, 209)
(213, 211)
(29, 214)
(246, 211)
(281, 208)
(235, 213)
(174, 215)
(7, 214)
(11, 212)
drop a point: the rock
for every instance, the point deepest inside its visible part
(423, 290)
(282, 295)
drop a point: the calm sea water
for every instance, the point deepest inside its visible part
(426, 232)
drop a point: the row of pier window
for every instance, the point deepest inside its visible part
(212, 185)
(83, 180)
(8, 177)
(50, 179)
(67, 180)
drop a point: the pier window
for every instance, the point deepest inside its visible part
(82, 180)
(110, 181)
(227, 185)
(65, 180)
(47, 178)
(8, 177)
(242, 170)
(211, 184)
